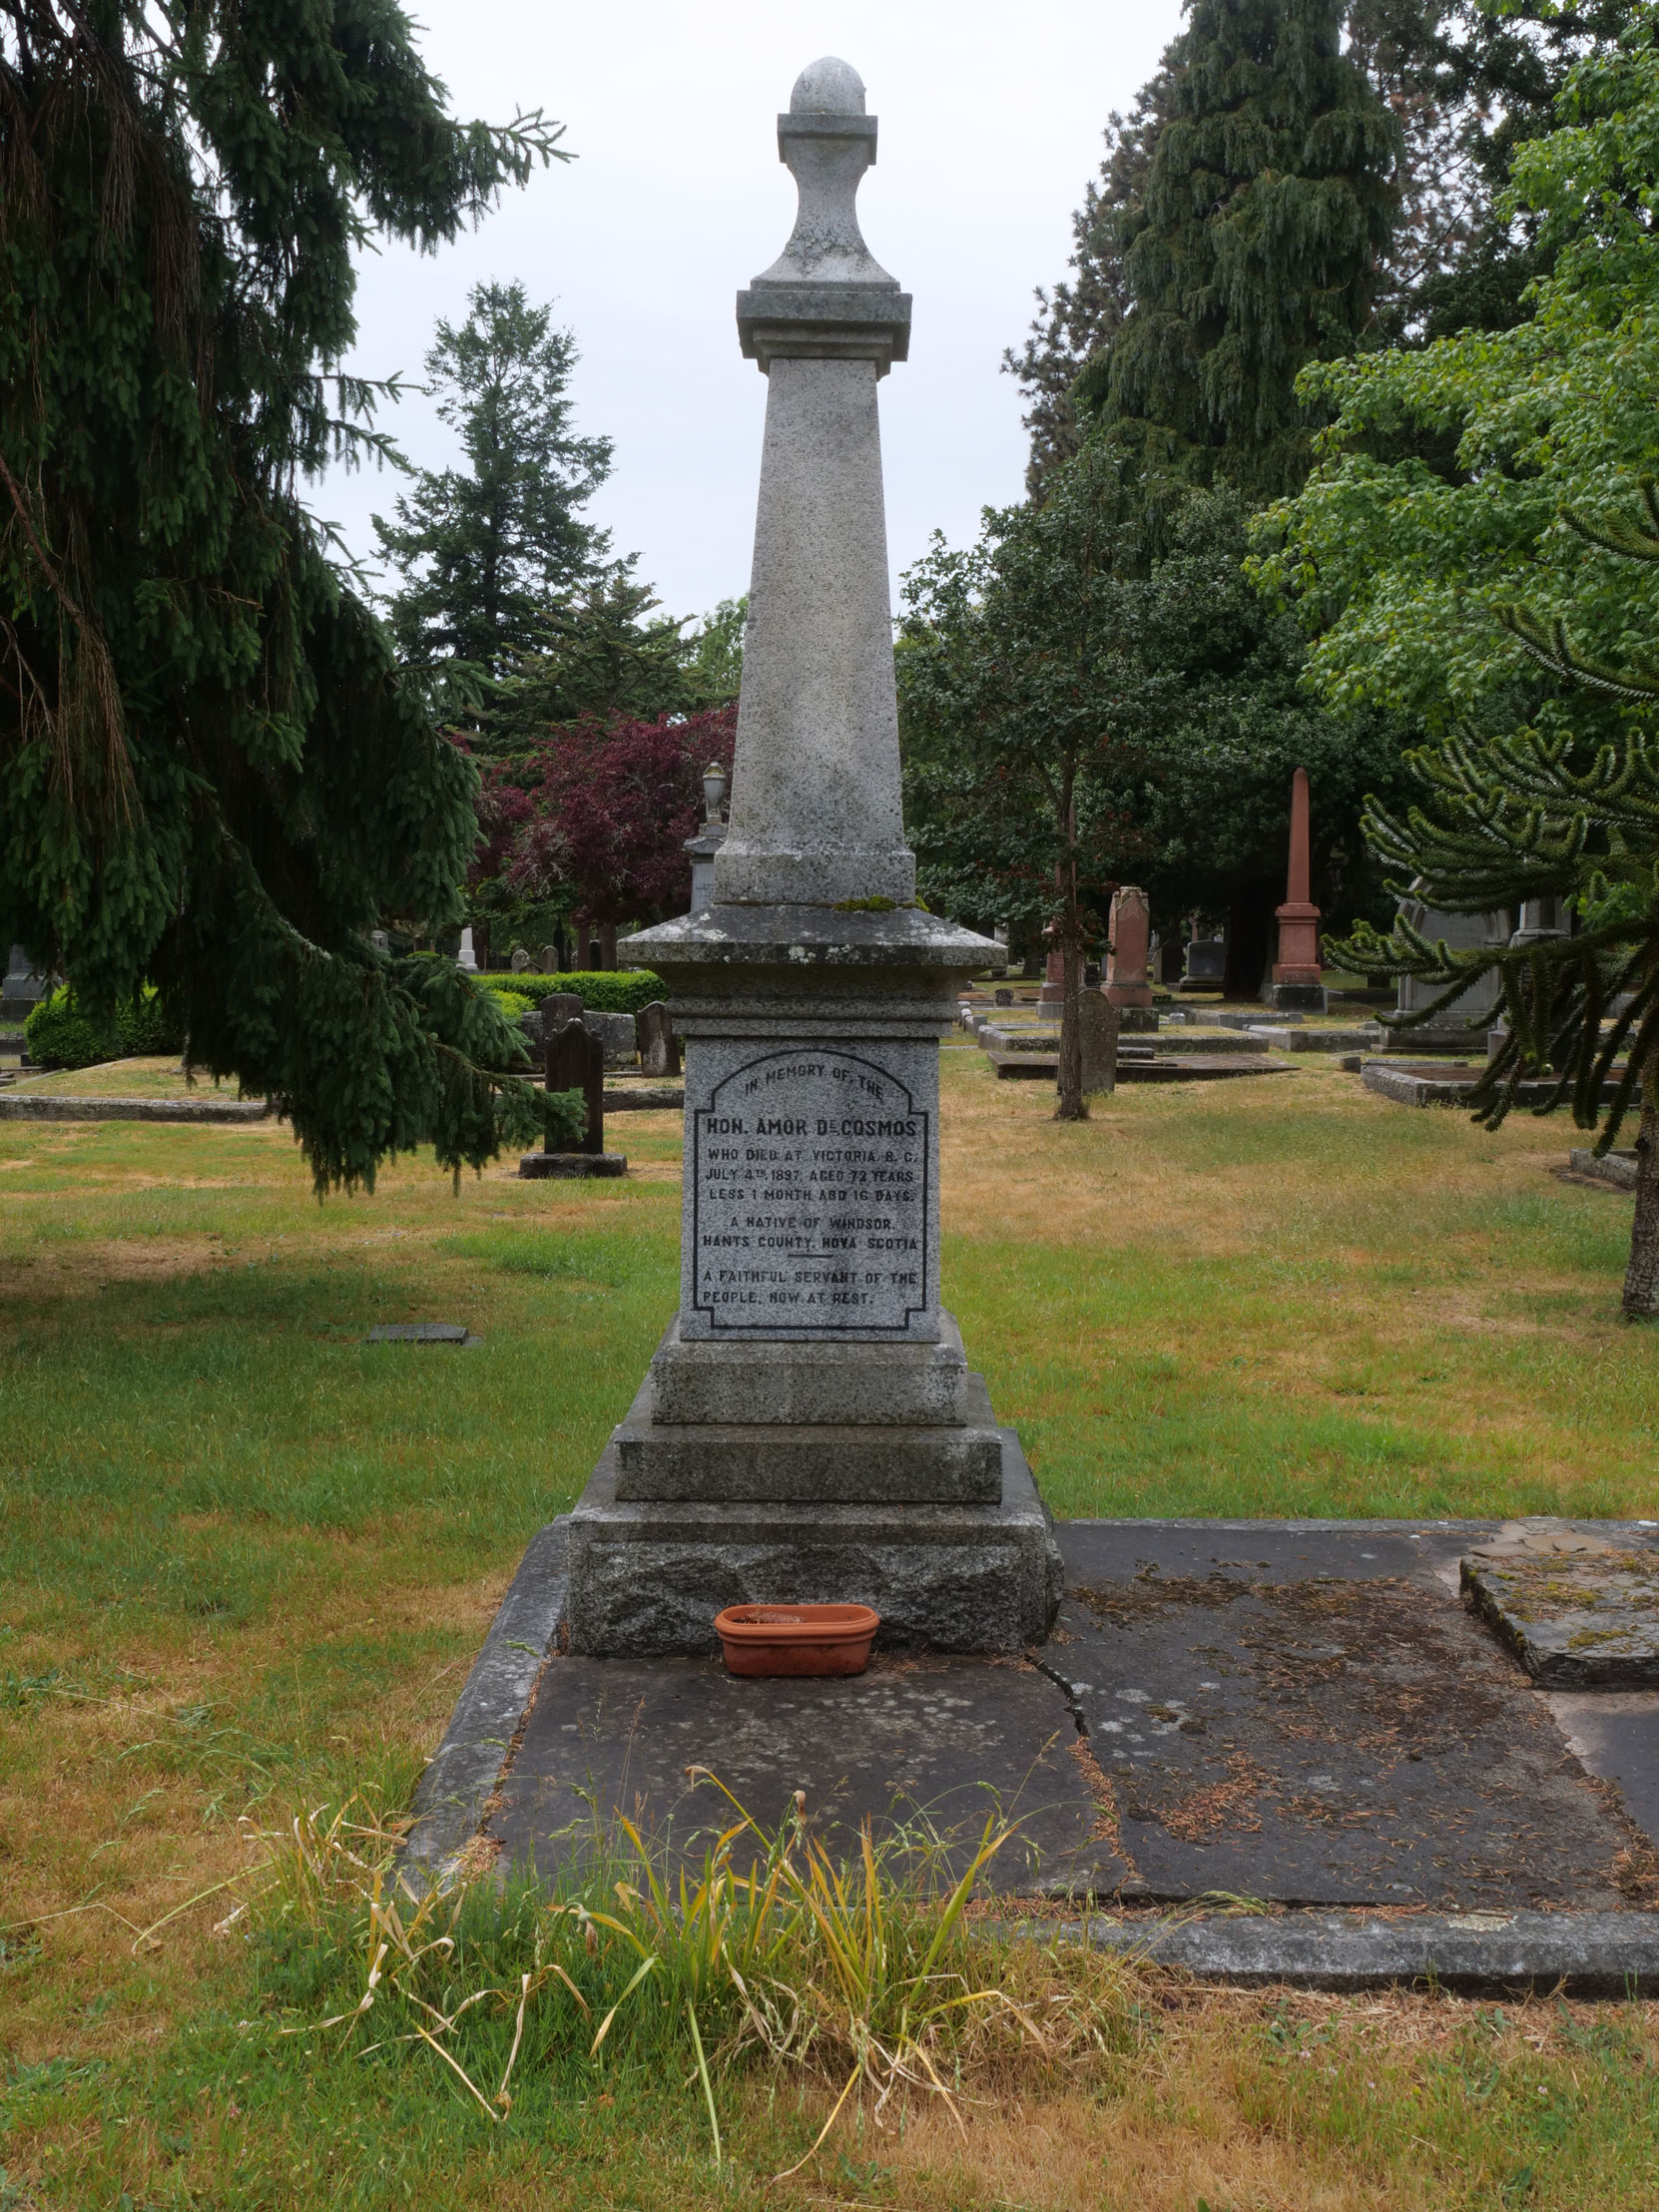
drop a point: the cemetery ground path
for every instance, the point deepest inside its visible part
(246, 1560)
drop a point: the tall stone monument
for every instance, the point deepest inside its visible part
(1298, 979)
(809, 1428)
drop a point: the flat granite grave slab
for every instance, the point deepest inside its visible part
(419, 1333)
(1309, 1716)
(931, 1745)
(1302, 1716)
(1575, 1623)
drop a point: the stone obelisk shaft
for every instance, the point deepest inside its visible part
(809, 1429)
(1297, 977)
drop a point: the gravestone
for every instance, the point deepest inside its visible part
(520, 961)
(466, 959)
(574, 1060)
(1099, 1021)
(1206, 964)
(1130, 930)
(809, 1428)
(1002, 998)
(1460, 1026)
(559, 1008)
(23, 989)
(550, 960)
(708, 840)
(658, 1046)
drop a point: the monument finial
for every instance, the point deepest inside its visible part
(825, 297)
(828, 87)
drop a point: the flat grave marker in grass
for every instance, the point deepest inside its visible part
(422, 1332)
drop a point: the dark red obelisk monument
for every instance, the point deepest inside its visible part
(1298, 980)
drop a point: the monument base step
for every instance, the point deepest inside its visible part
(541, 1164)
(811, 1463)
(647, 1577)
(715, 1379)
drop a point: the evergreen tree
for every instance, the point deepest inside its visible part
(1084, 312)
(484, 549)
(214, 777)
(607, 653)
(1266, 209)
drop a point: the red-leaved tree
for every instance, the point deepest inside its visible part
(603, 813)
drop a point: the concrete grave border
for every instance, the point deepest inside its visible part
(1596, 1954)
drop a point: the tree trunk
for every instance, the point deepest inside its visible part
(1250, 913)
(1641, 1277)
(1073, 1105)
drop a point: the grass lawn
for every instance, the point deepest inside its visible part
(155, 1076)
(245, 1561)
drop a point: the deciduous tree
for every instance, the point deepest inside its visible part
(1529, 815)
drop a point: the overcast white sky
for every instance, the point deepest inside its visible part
(990, 117)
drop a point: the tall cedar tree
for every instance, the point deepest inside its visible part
(1467, 88)
(1266, 212)
(1084, 312)
(214, 776)
(483, 549)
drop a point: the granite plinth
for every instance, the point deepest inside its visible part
(541, 1165)
(1303, 997)
(801, 1462)
(648, 1577)
(706, 1379)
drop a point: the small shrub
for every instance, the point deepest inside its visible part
(512, 1002)
(60, 1034)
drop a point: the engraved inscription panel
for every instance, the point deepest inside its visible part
(810, 1209)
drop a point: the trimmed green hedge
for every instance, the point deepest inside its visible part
(512, 1002)
(623, 991)
(59, 1034)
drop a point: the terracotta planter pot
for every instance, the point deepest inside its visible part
(797, 1639)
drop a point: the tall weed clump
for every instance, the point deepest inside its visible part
(865, 1976)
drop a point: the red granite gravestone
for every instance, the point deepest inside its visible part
(1297, 978)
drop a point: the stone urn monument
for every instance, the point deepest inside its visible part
(809, 1429)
